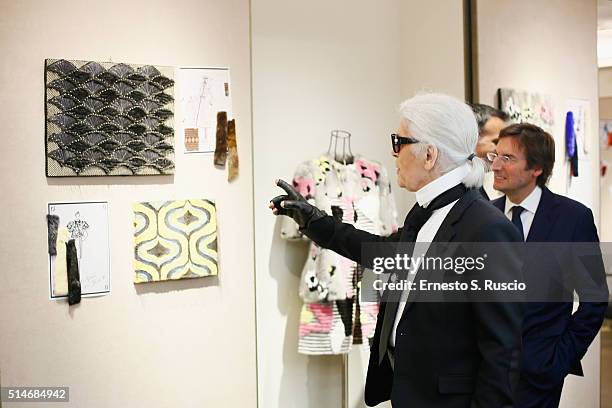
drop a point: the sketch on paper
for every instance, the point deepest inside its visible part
(87, 224)
(78, 231)
(203, 93)
(580, 109)
(527, 107)
(174, 240)
(107, 119)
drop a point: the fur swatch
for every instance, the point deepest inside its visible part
(74, 279)
(52, 225)
(232, 151)
(221, 139)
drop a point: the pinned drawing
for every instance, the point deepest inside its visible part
(174, 240)
(204, 92)
(87, 224)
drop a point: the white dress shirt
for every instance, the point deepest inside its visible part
(530, 204)
(426, 234)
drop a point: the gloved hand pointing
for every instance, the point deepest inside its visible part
(294, 205)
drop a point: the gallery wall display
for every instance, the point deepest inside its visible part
(108, 119)
(529, 107)
(203, 93)
(174, 240)
(85, 224)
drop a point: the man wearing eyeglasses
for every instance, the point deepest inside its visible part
(432, 354)
(490, 122)
(554, 340)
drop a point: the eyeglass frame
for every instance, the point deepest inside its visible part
(492, 156)
(397, 141)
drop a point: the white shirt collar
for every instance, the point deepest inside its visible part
(428, 192)
(530, 203)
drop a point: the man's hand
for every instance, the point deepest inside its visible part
(294, 205)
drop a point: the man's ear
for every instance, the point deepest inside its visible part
(537, 171)
(431, 156)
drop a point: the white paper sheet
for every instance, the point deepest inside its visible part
(87, 223)
(203, 93)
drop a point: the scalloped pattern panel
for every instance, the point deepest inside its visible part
(108, 119)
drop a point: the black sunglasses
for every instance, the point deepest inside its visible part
(397, 141)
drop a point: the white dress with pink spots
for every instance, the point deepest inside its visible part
(359, 194)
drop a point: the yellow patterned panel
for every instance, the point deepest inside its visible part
(175, 240)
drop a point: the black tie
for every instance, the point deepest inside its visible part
(416, 218)
(516, 219)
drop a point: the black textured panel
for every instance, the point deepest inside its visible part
(108, 117)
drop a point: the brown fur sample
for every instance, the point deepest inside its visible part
(232, 147)
(221, 146)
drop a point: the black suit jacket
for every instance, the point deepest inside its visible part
(555, 340)
(447, 355)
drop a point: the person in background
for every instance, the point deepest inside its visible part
(432, 354)
(490, 122)
(554, 339)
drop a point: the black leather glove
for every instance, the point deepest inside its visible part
(294, 205)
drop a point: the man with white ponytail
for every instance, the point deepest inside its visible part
(432, 354)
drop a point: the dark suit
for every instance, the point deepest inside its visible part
(451, 355)
(554, 340)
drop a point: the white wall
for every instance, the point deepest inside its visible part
(605, 82)
(548, 47)
(319, 66)
(605, 112)
(187, 343)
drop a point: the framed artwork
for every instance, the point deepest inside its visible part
(108, 119)
(174, 240)
(527, 107)
(203, 93)
(87, 224)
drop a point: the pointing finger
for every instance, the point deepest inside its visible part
(293, 194)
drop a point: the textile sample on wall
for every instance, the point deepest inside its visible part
(571, 143)
(60, 273)
(52, 226)
(527, 107)
(86, 223)
(175, 240)
(107, 119)
(74, 280)
(192, 139)
(232, 151)
(221, 140)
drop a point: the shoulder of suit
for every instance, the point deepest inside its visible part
(498, 200)
(486, 208)
(481, 210)
(482, 219)
(570, 205)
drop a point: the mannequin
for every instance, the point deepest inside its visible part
(340, 154)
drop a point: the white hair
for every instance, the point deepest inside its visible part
(448, 124)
